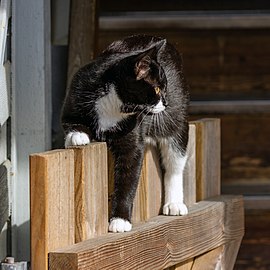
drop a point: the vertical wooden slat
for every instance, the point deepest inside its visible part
(91, 191)
(190, 168)
(52, 204)
(207, 158)
(148, 198)
(82, 34)
(153, 175)
(187, 265)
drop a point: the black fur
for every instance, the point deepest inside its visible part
(134, 66)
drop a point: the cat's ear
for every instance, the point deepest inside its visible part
(142, 67)
(143, 60)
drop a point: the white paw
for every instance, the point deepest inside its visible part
(119, 225)
(175, 209)
(76, 138)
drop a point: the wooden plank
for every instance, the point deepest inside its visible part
(82, 34)
(230, 107)
(166, 21)
(148, 198)
(52, 204)
(229, 254)
(91, 191)
(187, 265)
(161, 242)
(207, 158)
(190, 168)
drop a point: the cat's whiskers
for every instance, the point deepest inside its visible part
(145, 109)
(150, 124)
(169, 117)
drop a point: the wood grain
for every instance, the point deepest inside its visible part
(190, 168)
(52, 204)
(91, 191)
(209, 260)
(148, 198)
(207, 158)
(161, 242)
(187, 265)
(82, 34)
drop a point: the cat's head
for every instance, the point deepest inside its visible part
(141, 81)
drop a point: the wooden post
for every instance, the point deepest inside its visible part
(207, 158)
(91, 191)
(190, 168)
(52, 204)
(82, 34)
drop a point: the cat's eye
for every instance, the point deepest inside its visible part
(157, 90)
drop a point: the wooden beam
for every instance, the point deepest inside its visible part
(207, 158)
(52, 204)
(82, 34)
(161, 242)
(91, 191)
(229, 254)
(165, 21)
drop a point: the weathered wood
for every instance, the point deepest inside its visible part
(183, 21)
(161, 242)
(82, 34)
(229, 254)
(209, 260)
(91, 191)
(207, 158)
(52, 204)
(148, 198)
(190, 168)
(187, 265)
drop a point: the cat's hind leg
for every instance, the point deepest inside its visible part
(174, 161)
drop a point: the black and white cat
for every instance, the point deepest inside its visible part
(134, 93)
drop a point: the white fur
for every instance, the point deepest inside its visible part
(119, 225)
(174, 164)
(108, 110)
(158, 108)
(76, 138)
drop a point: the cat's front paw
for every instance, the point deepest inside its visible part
(175, 209)
(76, 138)
(119, 225)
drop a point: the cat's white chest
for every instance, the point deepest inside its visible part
(108, 111)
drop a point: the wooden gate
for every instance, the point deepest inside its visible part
(70, 201)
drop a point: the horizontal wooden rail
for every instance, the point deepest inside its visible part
(181, 20)
(161, 242)
(70, 199)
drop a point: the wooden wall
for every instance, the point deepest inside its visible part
(222, 64)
